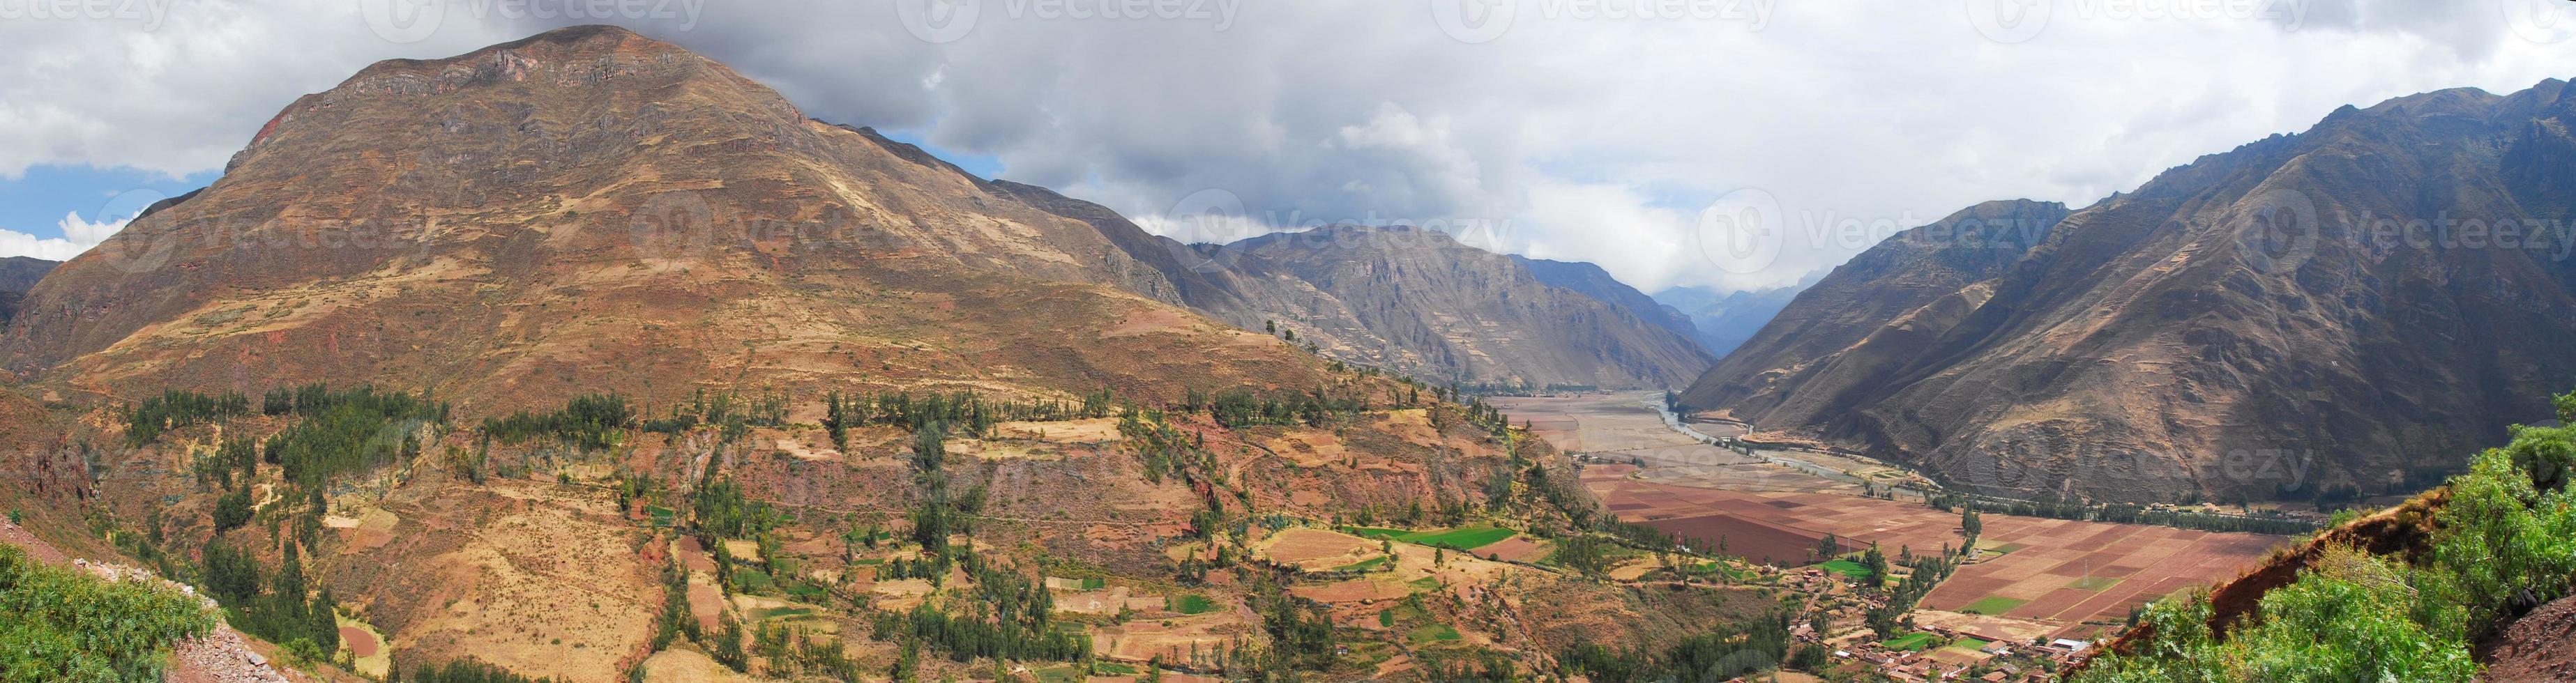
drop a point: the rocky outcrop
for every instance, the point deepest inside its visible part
(2320, 314)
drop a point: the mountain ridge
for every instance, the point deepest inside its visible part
(2236, 327)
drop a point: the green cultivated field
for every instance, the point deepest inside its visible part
(1910, 642)
(1992, 605)
(1433, 633)
(1362, 565)
(1462, 538)
(1846, 568)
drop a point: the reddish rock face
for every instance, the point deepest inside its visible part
(2258, 323)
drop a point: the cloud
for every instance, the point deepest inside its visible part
(1591, 134)
(78, 236)
(85, 233)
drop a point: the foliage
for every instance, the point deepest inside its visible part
(279, 607)
(232, 510)
(1009, 616)
(965, 411)
(2504, 541)
(61, 625)
(458, 671)
(173, 409)
(1729, 651)
(589, 422)
(1240, 407)
(349, 431)
(2121, 513)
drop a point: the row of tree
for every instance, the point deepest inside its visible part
(2123, 513)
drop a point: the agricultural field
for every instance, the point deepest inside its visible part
(2068, 576)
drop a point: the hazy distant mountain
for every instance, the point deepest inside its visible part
(1416, 302)
(1724, 321)
(1590, 280)
(17, 274)
(2321, 312)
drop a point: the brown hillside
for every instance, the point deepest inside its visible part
(589, 209)
(2259, 323)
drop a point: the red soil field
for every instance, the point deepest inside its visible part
(358, 642)
(1748, 538)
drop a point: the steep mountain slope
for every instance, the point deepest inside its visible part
(1725, 321)
(1414, 301)
(2304, 316)
(17, 275)
(1590, 280)
(1837, 336)
(583, 357)
(588, 209)
(1422, 300)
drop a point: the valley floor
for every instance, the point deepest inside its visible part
(2032, 578)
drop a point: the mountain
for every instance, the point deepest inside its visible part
(1725, 321)
(1590, 280)
(17, 275)
(1417, 302)
(589, 210)
(2310, 316)
(579, 356)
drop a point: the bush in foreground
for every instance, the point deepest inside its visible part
(61, 625)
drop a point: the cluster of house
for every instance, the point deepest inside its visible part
(1996, 661)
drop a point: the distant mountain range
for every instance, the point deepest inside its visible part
(1722, 322)
(2310, 316)
(1418, 302)
(17, 274)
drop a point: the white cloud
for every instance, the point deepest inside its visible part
(1595, 138)
(81, 231)
(79, 235)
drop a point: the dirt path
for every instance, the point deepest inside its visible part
(220, 657)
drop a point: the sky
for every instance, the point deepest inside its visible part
(1729, 144)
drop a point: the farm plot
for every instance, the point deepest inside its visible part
(2038, 570)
